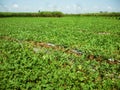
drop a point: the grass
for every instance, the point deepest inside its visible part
(21, 67)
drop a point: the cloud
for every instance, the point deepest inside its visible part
(109, 7)
(68, 7)
(4, 8)
(15, 5)
(76, 6)
(96, 7)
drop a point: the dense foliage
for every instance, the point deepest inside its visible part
(55, 14)
(27, 66)
(40, 14)
(106, 14)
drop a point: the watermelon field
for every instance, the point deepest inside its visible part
(60, 53)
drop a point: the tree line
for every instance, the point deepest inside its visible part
(39, 14)
(54, 14)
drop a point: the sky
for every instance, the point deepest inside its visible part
(65, 6)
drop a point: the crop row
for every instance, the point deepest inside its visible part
(28, 59)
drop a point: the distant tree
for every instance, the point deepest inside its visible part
(39, 11)
(106, 12)
(101, 11)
